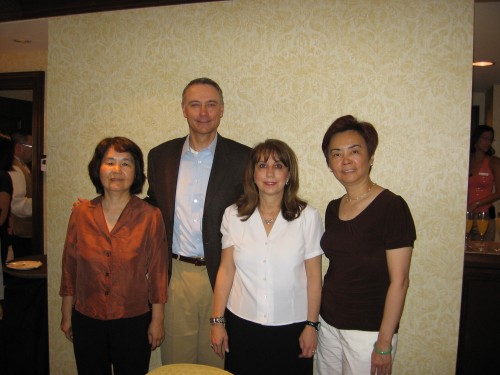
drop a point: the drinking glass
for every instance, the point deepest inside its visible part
(468, 224)
(497, 221)
(482, 219)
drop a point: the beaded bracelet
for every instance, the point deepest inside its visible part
(381, 352)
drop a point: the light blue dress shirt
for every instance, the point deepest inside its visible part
(192, 182)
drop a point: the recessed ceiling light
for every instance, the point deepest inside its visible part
(22, 40)
(483, 63)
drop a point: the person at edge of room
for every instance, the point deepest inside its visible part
(20, 219)
(114, 268)
(192, 180)
(368, 239)
(268, 288)
(1, 293)
(484, 178)
(6, 159)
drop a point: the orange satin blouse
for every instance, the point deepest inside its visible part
(115, 274)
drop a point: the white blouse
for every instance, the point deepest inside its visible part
(270, 282)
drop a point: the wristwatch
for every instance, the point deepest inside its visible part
(315, 325)
(218, 320)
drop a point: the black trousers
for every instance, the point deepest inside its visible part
(122, 343)
(264, 350)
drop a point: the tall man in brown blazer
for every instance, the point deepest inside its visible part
(192, 180)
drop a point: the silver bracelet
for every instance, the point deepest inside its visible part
(218, 320)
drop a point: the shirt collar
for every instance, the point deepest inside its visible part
(19, 160)
(210, 148)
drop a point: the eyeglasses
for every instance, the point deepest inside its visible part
(486, 138)
(24, 144)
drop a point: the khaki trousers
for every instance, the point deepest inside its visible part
(187, 314)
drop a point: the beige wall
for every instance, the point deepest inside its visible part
(23, 62)
(288, 69)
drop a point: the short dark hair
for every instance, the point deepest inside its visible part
(476, 134)
(19, 137)
(120, 144)
(203, 81)
(6, 154)
(292, 205)
(349, 122)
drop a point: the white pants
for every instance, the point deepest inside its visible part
(346, 352)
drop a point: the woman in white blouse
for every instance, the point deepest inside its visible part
(268, 288)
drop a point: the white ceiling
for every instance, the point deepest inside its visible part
(486, 44)
(486, 41)
(34, 30)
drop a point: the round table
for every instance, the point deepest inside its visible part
(37, 273)
(24, 329)
(187, 369)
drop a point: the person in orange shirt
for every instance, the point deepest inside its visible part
(484, 177)
(114, 268)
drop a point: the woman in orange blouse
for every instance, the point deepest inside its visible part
(484, 177)
(114, 268)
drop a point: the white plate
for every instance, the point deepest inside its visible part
(24, 265)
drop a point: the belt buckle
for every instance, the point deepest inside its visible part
(199, 261)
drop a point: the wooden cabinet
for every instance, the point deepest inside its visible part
(479, 337)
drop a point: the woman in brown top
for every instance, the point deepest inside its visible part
(114, 268)
(369, 235)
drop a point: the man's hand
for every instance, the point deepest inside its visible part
(79, 201)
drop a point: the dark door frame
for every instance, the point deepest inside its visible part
(34, 81)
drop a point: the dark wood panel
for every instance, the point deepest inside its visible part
(478, 343)
(11, 10)
(34, 81)
(14, 114)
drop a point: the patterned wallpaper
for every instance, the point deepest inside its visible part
(288, 69)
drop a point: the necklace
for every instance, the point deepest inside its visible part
(350, 199)
(268, 221)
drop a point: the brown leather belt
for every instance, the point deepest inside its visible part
(197, 261)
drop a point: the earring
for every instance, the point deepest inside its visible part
(286, 183)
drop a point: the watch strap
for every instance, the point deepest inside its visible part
(315, 325)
